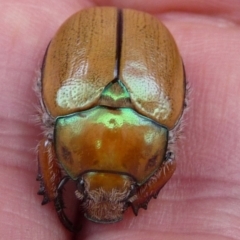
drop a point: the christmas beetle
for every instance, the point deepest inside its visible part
(112, 95)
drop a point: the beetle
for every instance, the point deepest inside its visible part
(112, 96)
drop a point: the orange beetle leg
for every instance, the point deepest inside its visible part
(49, 172)
(51, 180)
(152, 187)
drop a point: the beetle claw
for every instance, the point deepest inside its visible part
(41, 190)
(137, 205)
(135, 209)
(156, 194)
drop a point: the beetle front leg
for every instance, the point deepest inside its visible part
(49, 172)
(154, 185)
(59, 206)
(51, 180)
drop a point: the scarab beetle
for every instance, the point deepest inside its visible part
(112, 95)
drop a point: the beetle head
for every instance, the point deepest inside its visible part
(105, 195)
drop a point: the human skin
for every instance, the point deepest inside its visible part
(202, 199)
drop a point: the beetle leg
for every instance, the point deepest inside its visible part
(49, 172)
(59, 206)
(153, 186)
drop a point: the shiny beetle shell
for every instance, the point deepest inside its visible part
(113, 89)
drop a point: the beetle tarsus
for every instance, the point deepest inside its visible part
(59, 206)
(42, 190)
(152, 188)
(45, 200)
(39, 177)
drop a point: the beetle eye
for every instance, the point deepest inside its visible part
(80, 185)
(133, 189)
